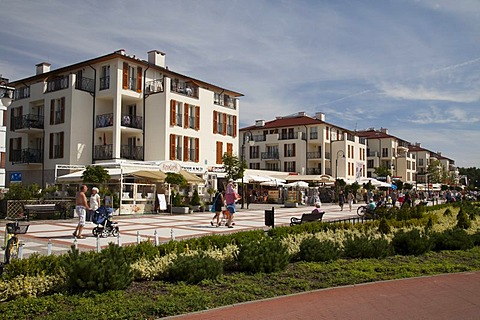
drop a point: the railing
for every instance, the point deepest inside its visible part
(103, 152)
(269, 156)
(154, 86)
(184, 88)
(259, 138)
(27, 156)
(131, 152)
(57, 84)
(314, 155)
(314, 171)
(132, 121)
(104, 83)
(224, 100)
(28, 121)
(85, 84)
(104, 120)
(288, 136)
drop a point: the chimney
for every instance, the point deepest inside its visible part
(259, 123)
(384, 130)
(320, 116)
(417, 144)
(121, 51)
(157, 58)
(43, 67)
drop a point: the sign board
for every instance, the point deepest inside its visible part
(162, 202)
(170, 166)
(15, 177)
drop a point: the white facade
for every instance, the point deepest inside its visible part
(304, 145)
(117, 108)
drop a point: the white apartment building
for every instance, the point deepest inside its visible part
(425, 159)
(304, 145)
(385, 150)
(3, 132)
(117, 108)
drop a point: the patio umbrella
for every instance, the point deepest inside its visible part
(297, 184)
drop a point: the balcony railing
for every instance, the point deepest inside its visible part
(154, 86)
(103, 152)
(314, 155)
(104, 120)
(289, 136)
(224, 100)
(85, 84)
(27, 156)
(184, 88)
(104, 83)
(314, 171)
(57, 84)
(28, 121)
(131, 152)
(22, 93)
(259, 138)
(270, 156)
(131, 121)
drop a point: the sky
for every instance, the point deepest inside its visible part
(411, 66)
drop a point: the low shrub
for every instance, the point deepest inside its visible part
(34, 265)
(314, 250)
(266, 255)
(463, 220)
(29, 286)
(144, 249)
(411, 242)
(454, 239)
(194, 268)
(384, 227)
(363, 246)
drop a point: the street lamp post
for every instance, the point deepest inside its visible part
(247, 138)
(336, 162)
(6, 92)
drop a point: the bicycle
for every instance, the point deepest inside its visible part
(11, 241)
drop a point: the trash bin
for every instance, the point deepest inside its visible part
(269, 218)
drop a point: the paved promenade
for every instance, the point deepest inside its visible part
(163, 226)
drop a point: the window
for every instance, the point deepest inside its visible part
(384, 152)
(191, 147)
(272, 166)
(289, 150)
(15, 149)
(224, 124)
(16, 118)
(254, 152)
(369, 163)
(313, 133)
(56, 145)
(289, 166)
(57, 111)
(105, 78)
(420, 162)
(327, 130)
(176, 113)
(175, 147)
(132, 78)
(192, 117)
(255, 166)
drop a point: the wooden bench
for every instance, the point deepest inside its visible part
(307, 217)
(47, 210)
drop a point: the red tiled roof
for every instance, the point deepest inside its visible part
(289, 122)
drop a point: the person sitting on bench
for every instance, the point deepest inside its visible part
(317, 207)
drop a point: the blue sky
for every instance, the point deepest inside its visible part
(412, 66)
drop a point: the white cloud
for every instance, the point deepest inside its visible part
(422, 93)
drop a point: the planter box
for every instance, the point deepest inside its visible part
(183, 210)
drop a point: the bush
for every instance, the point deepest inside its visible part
(454, 239)
(314, 250)
(358, 247)
(463, 220)
(107, 270)
(411, 242)
(384, 227)
(194, 268)
(35, 265)
(267, 255)
(144, 249)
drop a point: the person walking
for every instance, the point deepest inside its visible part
(231, 196)
(217, 206)
(94, 203)
(81, 207)
(350, 198)
(341, 200)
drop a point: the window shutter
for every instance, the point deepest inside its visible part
(234, 126)
(52, 111)
(139, 79)
(125, 76)
(197, 149)
(62, 110)
(224, 124)
(12, 122)
(2, 161)
(219, 152)
(172, 112)
(172, 147)
(215, 122)
(5, 118)
(185, 149)
(197, 118)
(61, 144)
(229, 149)
(50, 147)
(185, 116)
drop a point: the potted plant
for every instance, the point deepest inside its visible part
(195, 201)
(177, 205)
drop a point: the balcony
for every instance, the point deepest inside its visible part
(224, 100)
(28, 121)
(131, 152)
(154, 86)
(131, 121)
(27, 156)
(291, 136)
(104, 120)
(185, 88)
(22, 93)
(103, 152)
(314, 155)
(269, 156)
(85, 84)
(57, 84)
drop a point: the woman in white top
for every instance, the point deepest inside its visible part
(94, 202)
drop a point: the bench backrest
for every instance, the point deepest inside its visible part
(40, 207)
(310, 217)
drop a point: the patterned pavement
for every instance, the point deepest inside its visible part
(162, 226)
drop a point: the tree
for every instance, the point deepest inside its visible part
(176, 179)
(234, 167)
(95, 174)
(382, 172)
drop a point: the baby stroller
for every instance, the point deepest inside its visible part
(105, 226)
